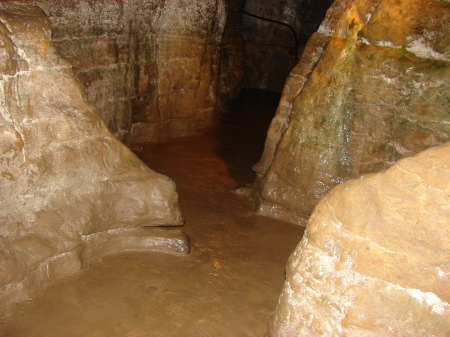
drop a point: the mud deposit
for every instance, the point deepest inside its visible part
(229, 284)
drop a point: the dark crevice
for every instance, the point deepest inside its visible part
(243, 129)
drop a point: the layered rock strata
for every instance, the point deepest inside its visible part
(371, 87)
(374, 260)
(65, 178)
(151, 67)
(188, 40)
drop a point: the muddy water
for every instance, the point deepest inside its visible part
(227, 286)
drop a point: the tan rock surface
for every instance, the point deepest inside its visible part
(375, 260)
(372, 87)
(188, 40)
(151, 67)
(64, 176)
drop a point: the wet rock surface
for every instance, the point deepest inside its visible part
(64, 176)
(232, 54)
(372, 87)
(136, 239)
(227, 286)
(151, 67)
(374, 259)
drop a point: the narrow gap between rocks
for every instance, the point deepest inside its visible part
(229, 284)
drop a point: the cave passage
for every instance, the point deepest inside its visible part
(229, 284)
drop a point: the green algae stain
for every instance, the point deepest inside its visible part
(133, 161)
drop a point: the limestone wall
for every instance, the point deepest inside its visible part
(374, 260)
(269, 49)
(150, 67)
(232, 54)
(371, 87)
(64, 177)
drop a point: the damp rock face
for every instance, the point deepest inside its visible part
(371, 87)
(150, 67)
(64, 177)
(374, 259)
(232, 54)
(188, 42)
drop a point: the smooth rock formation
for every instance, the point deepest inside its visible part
(374, 260)
(64, 176)
(371, 87)
(133, 239)
(151, 67)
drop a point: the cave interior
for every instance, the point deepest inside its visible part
(161, 161)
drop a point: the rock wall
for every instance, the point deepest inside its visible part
(188, 44)
(232, 54)
(374, 260)
(65, 179)
(269, 48)
(151, 67)
(371, 87)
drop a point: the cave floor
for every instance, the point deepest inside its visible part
(229, 284)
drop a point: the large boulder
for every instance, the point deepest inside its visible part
(374, 260)
(64, 177)
(371, 87)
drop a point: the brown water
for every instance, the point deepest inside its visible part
(229, 284)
